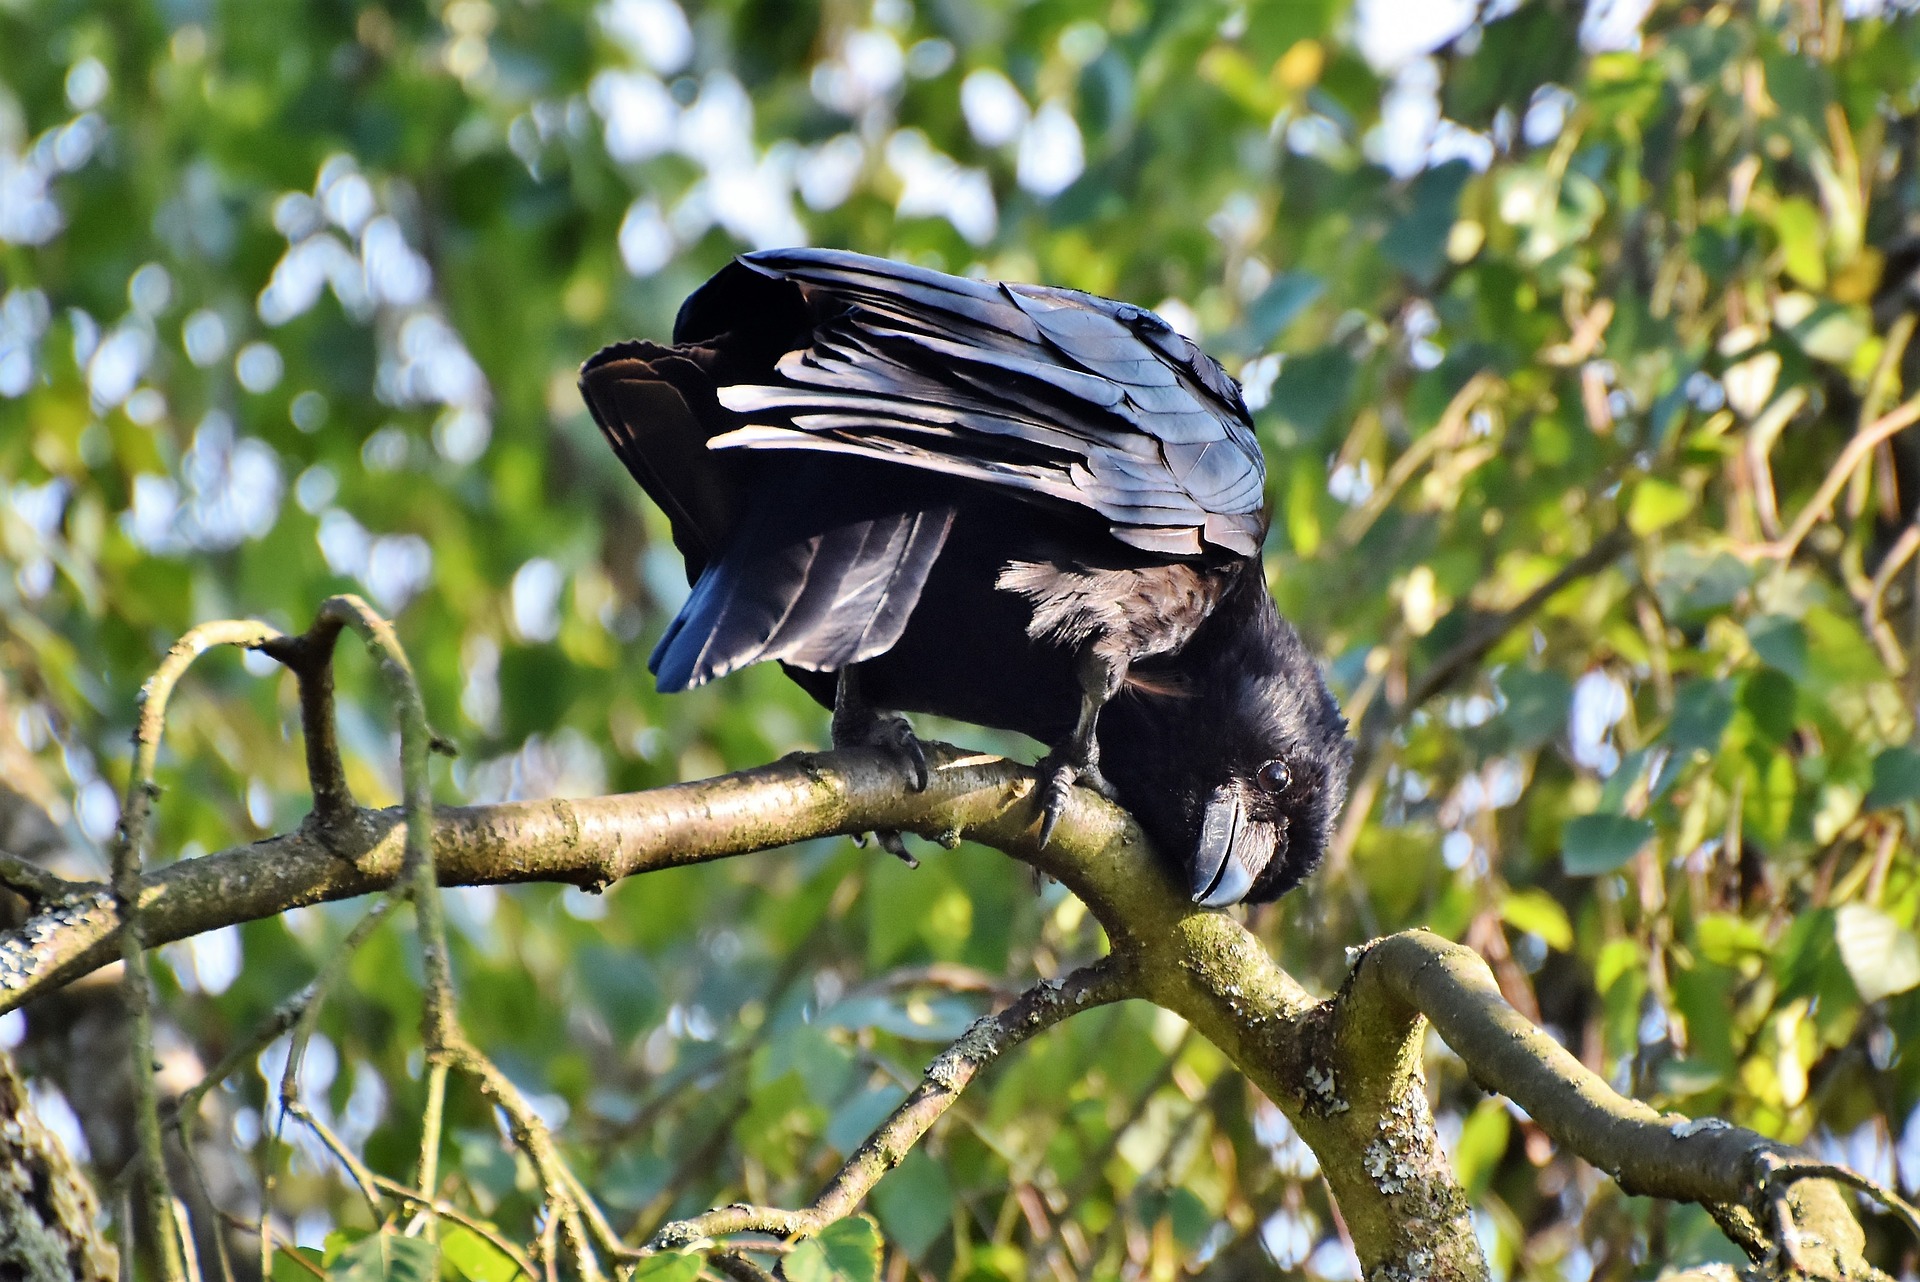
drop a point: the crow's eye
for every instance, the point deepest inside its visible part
(1274, 776)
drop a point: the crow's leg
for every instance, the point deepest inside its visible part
(1077, 760)
(857, 723)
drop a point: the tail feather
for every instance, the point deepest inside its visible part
(814, 598)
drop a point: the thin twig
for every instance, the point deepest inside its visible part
(284, 1016)
(1488, 630)
(35, 884)
(1449, 432)
(128, 850)
(530, 1133)
(1852, 456)
(1039, 1008)
(362, 1177)
(449, 1211)
(189, 1257)
(738, 1266)
(293, 1253)
(1789, 1170)
(1874, 605)
(417, 881)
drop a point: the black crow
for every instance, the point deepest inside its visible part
(1018, 506)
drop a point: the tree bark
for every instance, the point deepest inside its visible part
(47, 1209)
(1345, 1070)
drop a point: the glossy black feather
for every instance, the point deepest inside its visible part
(1049, 392)
(969, 488)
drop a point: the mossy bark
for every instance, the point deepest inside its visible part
(1346, 1070)
(47, 1208)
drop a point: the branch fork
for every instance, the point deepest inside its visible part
(1346, 1070)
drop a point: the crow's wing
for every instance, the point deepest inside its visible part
(818, 566)
(1049, 392)
(816, 594)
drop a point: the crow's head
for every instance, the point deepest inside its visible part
(1238, 769)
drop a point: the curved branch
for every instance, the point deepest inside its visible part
(1346, 1070)
(1725, 1168)
(1038, 1009)
(136, 818)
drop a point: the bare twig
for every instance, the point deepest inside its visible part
(1647, 1152)
(284, 1017)
(566, 1204)
(1344, 1077)
(738, 1266)
(1039, 1008)
(588, 842)
(449, 1211)
(1788, 1170)
(1873, 606)
(35, 884)
(1446, 434)
(1487, 631)
(128, 850)
(1856, 452)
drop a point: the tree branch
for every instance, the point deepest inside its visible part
(136, 817)
(1038, 1009)
(1727, 1169)
(1346, 1071)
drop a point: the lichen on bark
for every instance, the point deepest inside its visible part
(47, 1209)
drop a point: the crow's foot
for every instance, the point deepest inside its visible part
(1059, 772)
(892, 734)
(858, 724)
(889, 840)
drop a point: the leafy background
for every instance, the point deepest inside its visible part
(294, 298)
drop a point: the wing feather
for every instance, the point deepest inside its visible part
(1049, 392)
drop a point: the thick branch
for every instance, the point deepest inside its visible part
(1346, 1071)
(1727, 1168)
(590, 843)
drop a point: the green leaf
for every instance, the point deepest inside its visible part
(854, 1120)
(1701, 711)
(1417, 243)
(853, 1248)
(1279, 304)
(622, 987)
(286, 1269)
(668, 1267)
(1538, 913)
(1798, 224)
(1896, 778)
(1656, 504)
(845, 1251)
(1689, 1076)
(385, 1257)
(1595, 844)
(1770, 699)
(915, 1202)
(1482, 1143)
(475, 1258)
(1312, 388)
(1781, 644)
(1882, 956)
(1537, 704)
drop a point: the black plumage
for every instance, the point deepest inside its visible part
(1020, 506)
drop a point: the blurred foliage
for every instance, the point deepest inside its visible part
(294, 297)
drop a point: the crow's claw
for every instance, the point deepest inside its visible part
(1058, 775)
(856, 724)
(889, 840)
(894, 734)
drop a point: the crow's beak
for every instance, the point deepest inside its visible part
(1221, 873)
